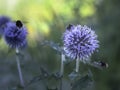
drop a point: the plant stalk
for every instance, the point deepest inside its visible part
(19, 68)
(62, 64)
(77, 65)
(62, 70)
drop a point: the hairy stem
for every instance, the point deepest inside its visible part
(62, 64)
(62, 69)
(19, 68)
(77, 65)
(61, 84)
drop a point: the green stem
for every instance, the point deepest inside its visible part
(62, 69)
(62, 64)
(77, 65)
(19, 68)
(61, 84)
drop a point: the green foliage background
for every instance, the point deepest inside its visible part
(47, 20)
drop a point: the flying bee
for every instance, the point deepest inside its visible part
(100, 64)
(103, 64)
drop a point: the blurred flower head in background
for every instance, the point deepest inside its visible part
(79, 42)
(15, 34)
(3, 21)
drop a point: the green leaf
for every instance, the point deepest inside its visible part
(82, 83)
(52, 88)
(53, 45)
(43, 75)
(74, 75)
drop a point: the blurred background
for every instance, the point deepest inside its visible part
(47, 20)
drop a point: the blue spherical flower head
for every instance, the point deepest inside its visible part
(15, 34)
(3, 21)
(79, 42)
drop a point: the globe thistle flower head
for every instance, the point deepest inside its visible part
(15, 34)
(3, 21)
(79, 42)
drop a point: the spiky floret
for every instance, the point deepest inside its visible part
(15, 36)
(79, 42)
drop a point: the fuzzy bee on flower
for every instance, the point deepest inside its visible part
(19, 23)
(15, 34)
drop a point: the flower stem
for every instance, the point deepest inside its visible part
(61, 84)
(62, 64)
(62, 70)
(19, 68)
(77, 65)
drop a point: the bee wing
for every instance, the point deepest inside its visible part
(21, 21)
(25, 22)
(99, 65)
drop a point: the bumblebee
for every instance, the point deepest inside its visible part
(69, 26)
(103, 64)
(19, 23)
